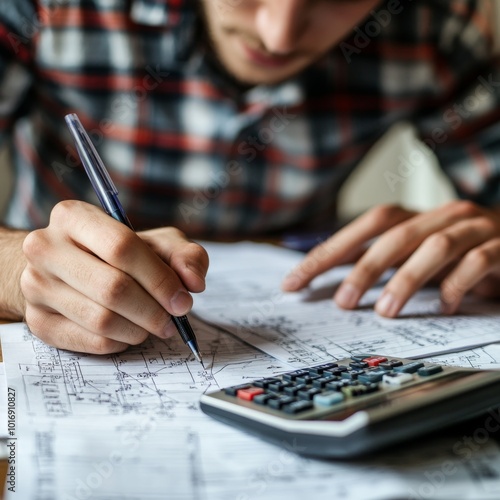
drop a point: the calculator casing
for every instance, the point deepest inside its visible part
(361, 426)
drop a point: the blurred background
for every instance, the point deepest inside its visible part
(370, 185)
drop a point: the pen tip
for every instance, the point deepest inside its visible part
(197, 355)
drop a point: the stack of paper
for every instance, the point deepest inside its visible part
(128, 426)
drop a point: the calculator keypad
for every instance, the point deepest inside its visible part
(332, 384)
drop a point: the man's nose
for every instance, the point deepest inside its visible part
(280, 24)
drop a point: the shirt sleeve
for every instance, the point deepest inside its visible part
(18, 30)
(464, 128)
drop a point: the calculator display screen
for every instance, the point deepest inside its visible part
(400, 396)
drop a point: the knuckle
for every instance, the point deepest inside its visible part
(383, 212)
(161, 285)
(399, 236)
(410, 280)
(29, 282)
(441, 244)
(487, 225)
(102, 321)
(480, 258)
(35, 245)
(103, 345)
(61, 212)
(197, 253)
(175, 232)
(368, 271)
(36, 321)
(464, 208)
(139, 337)
(111, 293)
(119, 247)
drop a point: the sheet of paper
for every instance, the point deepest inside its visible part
(159, 377)
(243, 297)
(128, 426)
(151, 459)
(484, 358)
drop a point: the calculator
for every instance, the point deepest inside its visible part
(355, 406)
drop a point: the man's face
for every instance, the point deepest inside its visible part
(268, 41)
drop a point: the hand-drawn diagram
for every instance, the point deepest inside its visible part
(158, 377)
(308, 327)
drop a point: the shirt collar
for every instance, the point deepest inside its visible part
(167, 13)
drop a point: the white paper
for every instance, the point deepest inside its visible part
(243, 296)
(151, 459)
(129, 426)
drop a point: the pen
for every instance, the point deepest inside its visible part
(108, 197)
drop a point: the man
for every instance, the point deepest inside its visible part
(235, 118)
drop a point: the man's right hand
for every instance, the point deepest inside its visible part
(93, 285)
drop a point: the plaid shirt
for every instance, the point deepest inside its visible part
(188, 147)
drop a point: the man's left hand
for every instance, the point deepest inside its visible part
(457, 244)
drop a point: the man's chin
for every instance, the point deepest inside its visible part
(252, 76)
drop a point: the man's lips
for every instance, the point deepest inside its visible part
(259, 57)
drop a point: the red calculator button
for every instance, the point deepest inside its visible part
(250, 393)
(375, 360)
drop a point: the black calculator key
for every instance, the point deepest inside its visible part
(318, 370)
(320, 383)
(262, 399)
(279, 386)
(298, 406)
(264, 382)
(372, 387)
(358, 365)
(335, 372)
(428, 370)
(306, 379)
(294, 389)
(231, 391)
(278, 403)
(352, 374)
(308, 394)
(409, 367)
(389, 365)
(292, 376)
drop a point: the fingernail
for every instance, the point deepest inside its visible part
(181, 303)
(291, 282)
(347, 296)
(388, 305)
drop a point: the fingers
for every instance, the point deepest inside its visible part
(470, 274)
(60, 332)
(347, 244)
(98, 280)
(397, 244)
(89, 291)
(120, 247)
(188, 259)
(435, 254)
